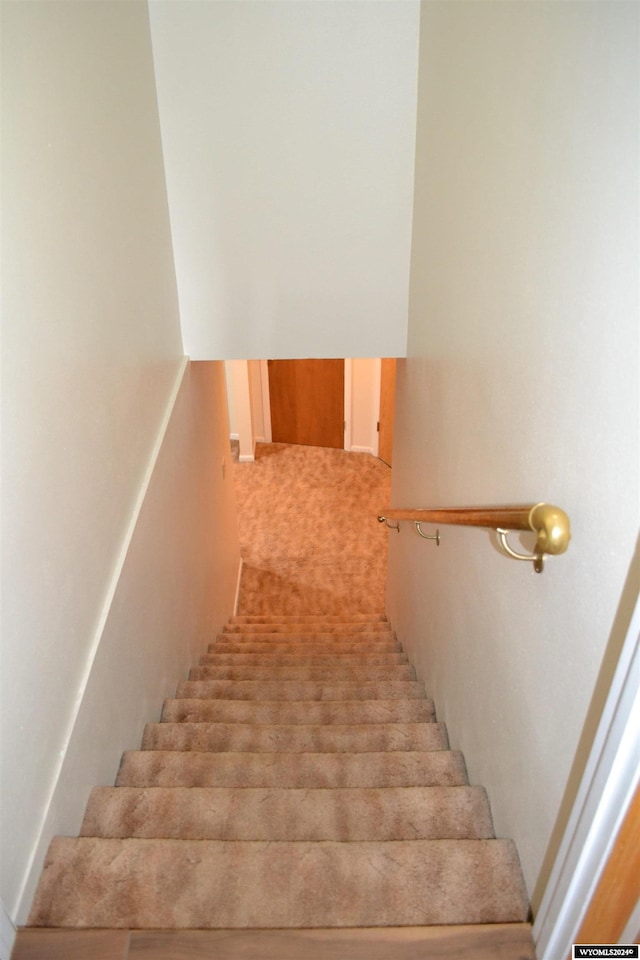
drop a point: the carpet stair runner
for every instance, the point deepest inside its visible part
(299, 779)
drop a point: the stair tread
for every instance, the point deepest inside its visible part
(298, 779)
(301, 711)
(316, 738)
(289, 814)
(211, 883)
(325, 690)
(477, 942)
(403, 768)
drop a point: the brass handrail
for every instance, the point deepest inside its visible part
(550, 524)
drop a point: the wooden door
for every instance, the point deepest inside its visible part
(307, 402)
(387, 404)
(618, 889)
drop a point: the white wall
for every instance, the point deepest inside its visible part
(288, 132)
(175, 589)
(522, 380)
(104, 596)
(7, 933)
(365, 405)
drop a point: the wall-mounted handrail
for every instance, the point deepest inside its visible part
(550, 524)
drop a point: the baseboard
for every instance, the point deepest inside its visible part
(246, 458)
(237, 596)
(362, 450)
(7, 933)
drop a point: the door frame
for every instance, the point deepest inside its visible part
(266, 400)
(348, 389)
(610, 779)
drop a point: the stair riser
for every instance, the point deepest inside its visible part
(291, 636)
(308, 628)
(363, 673)
(295, 738)
(248, 711)
(301, 660)
(299, 690)
(348, 815)
(310, 618)
(207, 884)
(309, 649)
(283, 770)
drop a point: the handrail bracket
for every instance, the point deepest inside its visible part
(428, 536)
(536, 558)
(390, 525)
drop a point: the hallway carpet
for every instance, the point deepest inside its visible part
(309, 538)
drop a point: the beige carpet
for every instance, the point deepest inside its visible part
(317, 794)
(309, 536)
(299, 778)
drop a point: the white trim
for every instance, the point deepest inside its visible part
(376, 410)
(266, 401)
(348, 400)
(244, 418)
(234, 436)
(99, 630)
(364, 450)
(7, 933)
(236, 599)
(632, 929)
(608, 784)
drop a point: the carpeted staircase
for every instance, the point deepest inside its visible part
(299, 779)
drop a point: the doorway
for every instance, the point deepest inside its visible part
(367, 415)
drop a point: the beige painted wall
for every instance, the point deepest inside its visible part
(115, 566)
(521, 382)
(175, 589)
(289, 133)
